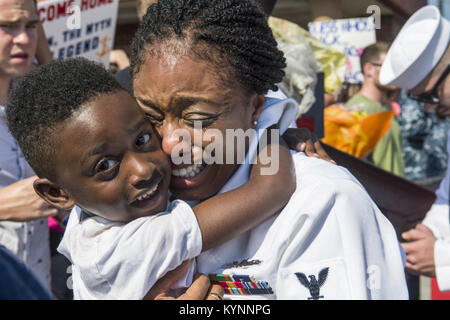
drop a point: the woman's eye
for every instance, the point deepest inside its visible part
(143, 139)
(105, 165)
(204, 122)
(153, 119)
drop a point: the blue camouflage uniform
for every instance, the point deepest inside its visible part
(424, 140)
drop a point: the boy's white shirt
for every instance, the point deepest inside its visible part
(438, 220)
(113, 260)
(329, 222)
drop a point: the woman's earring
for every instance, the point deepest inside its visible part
(255, 122)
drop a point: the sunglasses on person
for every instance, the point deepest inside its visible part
(431, 96)
(376, 64)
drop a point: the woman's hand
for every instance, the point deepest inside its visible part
(201, 288)
(303, 140)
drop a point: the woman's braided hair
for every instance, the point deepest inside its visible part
(236, 29)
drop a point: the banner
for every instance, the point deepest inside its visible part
(80, 28)
(349, 36)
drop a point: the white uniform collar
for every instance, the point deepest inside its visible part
(276, 111)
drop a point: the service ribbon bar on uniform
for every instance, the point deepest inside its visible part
(240, 284)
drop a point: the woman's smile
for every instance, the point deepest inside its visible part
(189, 176)
(188, 172)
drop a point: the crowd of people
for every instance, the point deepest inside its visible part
(415, 147)
(92, 154)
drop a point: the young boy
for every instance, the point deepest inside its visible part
(91, 146)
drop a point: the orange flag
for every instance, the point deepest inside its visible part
(353, 132)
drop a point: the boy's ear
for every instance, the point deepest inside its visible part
(53, 194)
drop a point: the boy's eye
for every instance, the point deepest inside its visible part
(105, 165)
(143, 139)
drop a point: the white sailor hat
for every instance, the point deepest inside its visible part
(417, 49)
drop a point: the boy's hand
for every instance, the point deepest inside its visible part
(201, 288)
(303, 140)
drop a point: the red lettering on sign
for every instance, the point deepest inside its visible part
(84, 5)
(54, 11)
(91, 4)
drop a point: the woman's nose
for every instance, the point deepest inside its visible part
(175, 141)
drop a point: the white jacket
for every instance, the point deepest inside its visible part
(438, 220)
(329, 222)
(114, 260)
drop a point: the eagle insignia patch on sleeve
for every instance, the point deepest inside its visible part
(313, 284)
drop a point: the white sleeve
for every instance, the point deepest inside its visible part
(64, 246)
(442, 193)
(437, 220)
(442, 262)
(346, 236)
(145, 249)
(377, 257)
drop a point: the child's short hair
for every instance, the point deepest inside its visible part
(47, 97)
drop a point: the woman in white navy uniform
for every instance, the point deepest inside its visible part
(419, 61)
(213, 62)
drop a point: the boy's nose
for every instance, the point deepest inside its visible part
(142, 170)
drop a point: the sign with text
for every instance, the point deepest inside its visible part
(349, 36)
(79, 28)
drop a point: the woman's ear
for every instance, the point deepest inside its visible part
(53, 194)
(257, 103)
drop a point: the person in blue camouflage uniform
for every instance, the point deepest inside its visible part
(424, 141)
